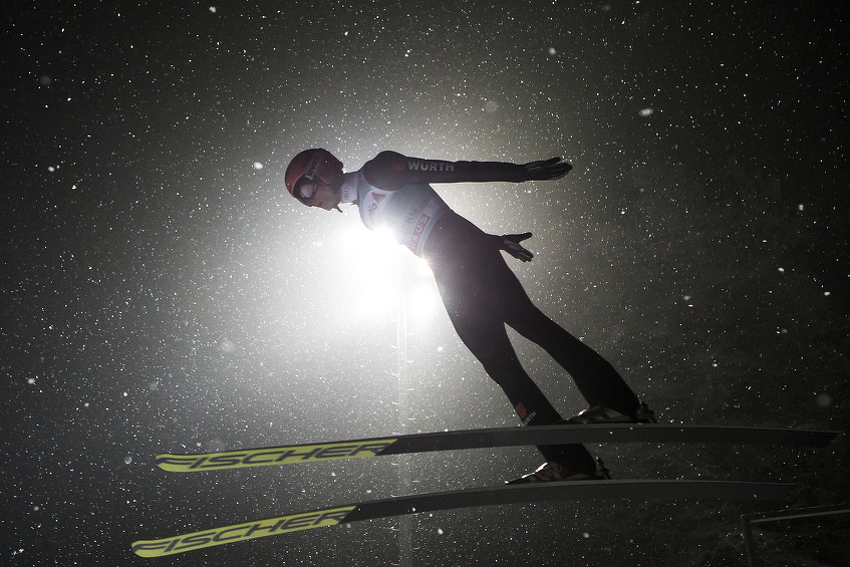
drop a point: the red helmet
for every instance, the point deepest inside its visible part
(310, 164)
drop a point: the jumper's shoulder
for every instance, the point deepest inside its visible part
(386, 160)
(388, 156)
(386, 170)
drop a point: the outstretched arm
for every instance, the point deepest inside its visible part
(546, 169)
(392, 170)
(510, 243)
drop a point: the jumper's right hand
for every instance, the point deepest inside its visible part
(546, 169)
(510, 243)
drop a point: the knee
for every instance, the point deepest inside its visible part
(502, 367)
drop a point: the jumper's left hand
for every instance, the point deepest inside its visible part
(510, 243)
(546, 169)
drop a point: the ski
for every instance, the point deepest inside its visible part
(507, 494)
(498, 437)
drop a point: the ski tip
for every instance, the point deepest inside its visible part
(177, 463)
(241, 532)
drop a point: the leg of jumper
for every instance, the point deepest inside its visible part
(596, 379)
(470, 275)
(488, 340)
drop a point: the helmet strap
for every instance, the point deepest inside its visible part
(348, 189)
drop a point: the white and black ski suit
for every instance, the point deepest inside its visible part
(479, 290)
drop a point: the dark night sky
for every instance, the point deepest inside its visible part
(161, 291)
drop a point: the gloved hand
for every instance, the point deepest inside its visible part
(542, 170)
(510, 243)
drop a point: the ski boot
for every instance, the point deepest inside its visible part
(601, 414)
(556, 472)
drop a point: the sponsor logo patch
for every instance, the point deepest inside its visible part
(241, 532)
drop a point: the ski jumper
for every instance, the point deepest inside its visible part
(479, 290)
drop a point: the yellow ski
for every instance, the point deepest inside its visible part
(241, 532)
(641, 490)
(273, 455)
(497, 437)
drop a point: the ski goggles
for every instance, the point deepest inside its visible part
(305, 188)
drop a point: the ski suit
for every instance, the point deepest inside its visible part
(479, 290)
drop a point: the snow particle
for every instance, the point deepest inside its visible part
(258, 166)
(646, 112)
(824, 400)
(128, 459)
